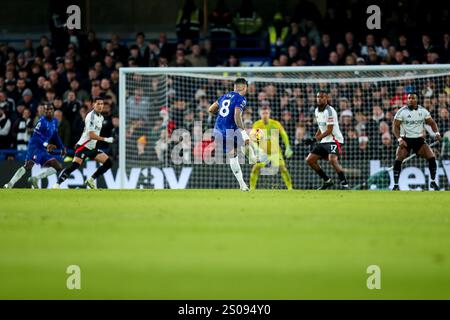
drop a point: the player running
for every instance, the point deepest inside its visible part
(275, 156)
(86, 147)
(329, 144)
(409, 130)
(40, 148)
(229, 128)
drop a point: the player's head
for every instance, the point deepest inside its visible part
(98, 104)
(265, 113)
(240, 85)
(412, 100)
(322, 98)
(48, 110)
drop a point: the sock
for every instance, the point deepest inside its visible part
(19, 174)
(67, 172)
(254, 175)
(249, 153)
(342, 178)
(45, 173)
(322, 174)
(236, 168)
(433, 168)
(286, 178)
(397, 170)
(102, 169)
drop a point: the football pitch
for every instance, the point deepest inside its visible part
(224, 244)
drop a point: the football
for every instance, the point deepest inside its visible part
(257, 135)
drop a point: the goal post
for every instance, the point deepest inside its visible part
(166, 138)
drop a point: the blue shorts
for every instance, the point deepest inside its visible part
(38, 155)
(228, 140)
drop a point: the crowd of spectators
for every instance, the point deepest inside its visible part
(35, 75)
(366, 111)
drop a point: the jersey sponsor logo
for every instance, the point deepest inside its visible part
(414, 122)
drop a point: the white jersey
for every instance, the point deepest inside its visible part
(412, 121)
(327, 117)
(92, 123)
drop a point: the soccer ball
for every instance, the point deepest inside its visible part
(257, 135)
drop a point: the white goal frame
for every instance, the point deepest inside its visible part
(205, 70)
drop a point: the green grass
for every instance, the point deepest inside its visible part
(224, 244)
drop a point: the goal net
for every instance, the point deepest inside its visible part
(166, 132)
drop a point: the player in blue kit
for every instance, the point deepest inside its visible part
(39, 149)
(229, 131)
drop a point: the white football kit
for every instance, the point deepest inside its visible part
(327, 117)
(92, 123)
(412, 121)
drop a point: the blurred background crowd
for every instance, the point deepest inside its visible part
(69, 67)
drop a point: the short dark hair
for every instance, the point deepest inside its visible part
(95, 99)
(241, 81)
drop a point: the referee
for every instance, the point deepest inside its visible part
(408, 128)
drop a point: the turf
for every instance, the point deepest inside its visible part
(224, 244)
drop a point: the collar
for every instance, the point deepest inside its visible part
(324, 107)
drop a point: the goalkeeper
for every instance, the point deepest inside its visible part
(273, 151)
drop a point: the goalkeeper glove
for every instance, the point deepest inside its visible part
(288, 152)
(109, 140)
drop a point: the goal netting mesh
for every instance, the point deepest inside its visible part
(166, 131)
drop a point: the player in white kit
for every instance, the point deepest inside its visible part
(86, 147)
(330, 141)
(409, 129)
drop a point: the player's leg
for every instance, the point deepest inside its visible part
(106, 165)
(76, 163)
(236, 168)
(285, 175)
(427, 153)
(333, 159)
(231, 144)
(254, 175)
(401, 154)
(250, 153)
(51, 166)
(312, 160)
(19, 174)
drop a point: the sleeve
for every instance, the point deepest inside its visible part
(57, 139)
(331, 117)
(283, 134)
(90, 123)
(398, 115)
(427, 114)
(241, 103)
(39, 128)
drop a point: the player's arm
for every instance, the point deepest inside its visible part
(288, 152)
(59, 142)
(321, 135)
(396, 131)
(240, 124)
(91, 132)
(94, 136)
(430, 121)
(39, 135)
(214, 108)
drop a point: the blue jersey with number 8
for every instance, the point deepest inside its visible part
(227, 104)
